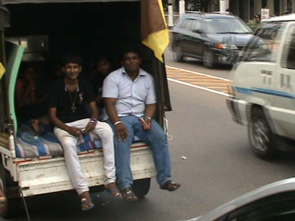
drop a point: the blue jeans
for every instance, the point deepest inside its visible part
(155, 138)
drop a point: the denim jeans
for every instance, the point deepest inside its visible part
(155, 138)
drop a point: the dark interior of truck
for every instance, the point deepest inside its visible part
(48, 31)
(88, 28)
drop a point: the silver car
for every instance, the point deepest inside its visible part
(273, 202)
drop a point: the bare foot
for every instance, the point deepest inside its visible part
(36, 126)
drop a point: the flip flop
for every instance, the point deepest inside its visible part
(112, 189)
(170, 185)
(128, 194)
(86, 204)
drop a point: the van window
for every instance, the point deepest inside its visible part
(264, 46)
(288, 56)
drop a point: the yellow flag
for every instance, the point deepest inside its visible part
(2, 70)
(154, 31)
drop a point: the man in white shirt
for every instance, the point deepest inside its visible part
(129, 95)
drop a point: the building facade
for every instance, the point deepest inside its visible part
(246, 9)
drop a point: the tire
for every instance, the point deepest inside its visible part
(177, 54)
(261, 138)
(141, 187)
(9, 207)
(208, 59)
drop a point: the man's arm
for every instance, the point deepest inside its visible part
(150, 111)
(94, 116)
(121, 130)
(110, 106)
(27, 95)
(58, 123)
(94, 111)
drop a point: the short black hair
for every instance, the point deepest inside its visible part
(72, 57)
(25, 66)
(130, 50)
(102, 57)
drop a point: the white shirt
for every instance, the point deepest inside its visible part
(132, 96)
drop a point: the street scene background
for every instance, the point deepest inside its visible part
(210, 154)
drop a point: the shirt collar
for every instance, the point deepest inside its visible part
(77, 89)
(141, 72)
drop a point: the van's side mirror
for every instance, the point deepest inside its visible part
(4, 17)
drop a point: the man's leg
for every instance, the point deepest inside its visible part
(157, 140)
(104, 132)
(68, 143)
(122, 155)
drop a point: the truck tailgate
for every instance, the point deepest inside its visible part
(50, 175)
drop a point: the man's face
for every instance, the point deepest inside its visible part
(104, 67)
(131, 62)
(72, 70)
(30, 74)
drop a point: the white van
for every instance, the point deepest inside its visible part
(263, 87)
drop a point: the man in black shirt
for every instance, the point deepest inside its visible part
(67, 99)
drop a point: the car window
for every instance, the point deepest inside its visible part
(288, 56)
(264, 46)
(187, 24)
(196, 25)
(225, 26)
(277, 211)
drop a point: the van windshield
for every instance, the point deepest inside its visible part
(264, 46)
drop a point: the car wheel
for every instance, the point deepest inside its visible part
(141, 187)
(208, 59)
(177, 54)
(261, 137)
(9, 207)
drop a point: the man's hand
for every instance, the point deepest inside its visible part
(148, 121)
(121, 132)
(89, 127)
(74, 131)
(146, 124)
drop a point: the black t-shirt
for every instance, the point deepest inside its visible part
(97, 83)
(70, 106)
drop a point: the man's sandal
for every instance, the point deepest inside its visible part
(86, 204)
(112, 189)
(170, 185)
(128, 194)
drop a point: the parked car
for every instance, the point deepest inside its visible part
(214, 38)
(263, 87)
(273, 202)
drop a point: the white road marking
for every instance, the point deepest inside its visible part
(195, 86)
(194, 72)
(199, 87)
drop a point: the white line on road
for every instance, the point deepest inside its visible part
(195, 86)
(202, 88)
(194, 72)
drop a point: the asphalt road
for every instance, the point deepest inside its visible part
(219, 165)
